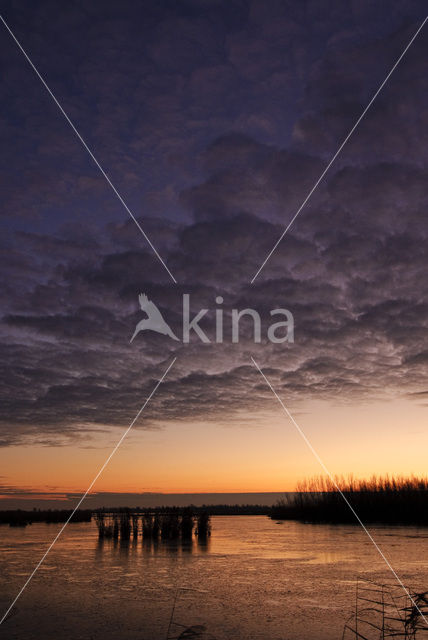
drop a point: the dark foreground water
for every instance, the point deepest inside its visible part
(254, 579)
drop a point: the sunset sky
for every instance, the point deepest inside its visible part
(213, 120)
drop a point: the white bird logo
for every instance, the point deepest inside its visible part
(154, 320)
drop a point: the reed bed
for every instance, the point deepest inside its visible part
(400, 500)
(164, 525)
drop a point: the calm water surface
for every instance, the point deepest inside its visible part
(255, 579)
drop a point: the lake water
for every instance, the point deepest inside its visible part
(255, 579)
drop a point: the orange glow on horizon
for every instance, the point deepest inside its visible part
(265, 455)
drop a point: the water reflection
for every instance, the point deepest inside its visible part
(204, 544)
(254, 579)
(151, 547)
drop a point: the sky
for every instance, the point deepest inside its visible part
(213, 120)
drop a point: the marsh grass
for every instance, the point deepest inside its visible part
(400, 500)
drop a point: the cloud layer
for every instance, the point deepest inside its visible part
(216, 125)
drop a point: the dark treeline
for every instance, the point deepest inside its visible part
(153, 525)
(211, 509)
(381, 500)
(20, 518)
(236, 509)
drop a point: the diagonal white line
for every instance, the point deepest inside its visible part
(366, 531)
(121, 200)
(30, 577)
(339, 149)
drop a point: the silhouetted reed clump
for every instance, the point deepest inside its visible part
(115, 527)
(164, 525)
(169, 526)
(187, 524)
(125, 526)
(387, 500)
(135, 526)
(20, 518)
(203, 525)
(147, 526)
(156, 527)
(105, 529)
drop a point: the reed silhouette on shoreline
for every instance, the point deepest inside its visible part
(401, 500)
(22, 518)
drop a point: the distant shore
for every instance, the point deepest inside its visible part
(400, 501)
(22, 518)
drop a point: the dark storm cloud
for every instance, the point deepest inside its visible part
(216, 124)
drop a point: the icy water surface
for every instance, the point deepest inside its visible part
(255, 579)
